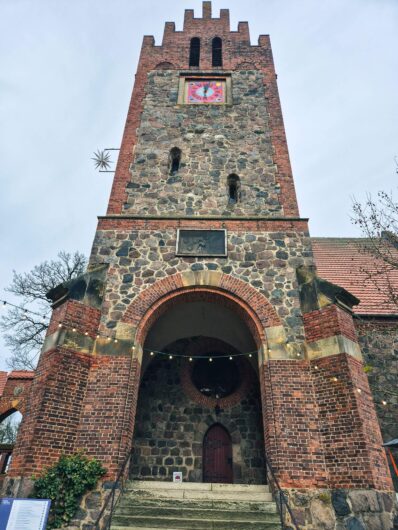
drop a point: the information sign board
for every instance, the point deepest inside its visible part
(24, 514)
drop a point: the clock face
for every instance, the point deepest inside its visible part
(206, 91)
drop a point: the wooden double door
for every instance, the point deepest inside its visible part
(217, 455)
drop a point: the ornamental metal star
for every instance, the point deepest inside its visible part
(101, 160)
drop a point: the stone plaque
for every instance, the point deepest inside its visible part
(201, 243)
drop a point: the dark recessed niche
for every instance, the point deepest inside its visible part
(218, 378)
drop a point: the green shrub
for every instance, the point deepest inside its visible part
(64, 483)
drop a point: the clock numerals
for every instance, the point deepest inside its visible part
(206, 91)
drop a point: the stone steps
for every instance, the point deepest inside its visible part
(194, 506)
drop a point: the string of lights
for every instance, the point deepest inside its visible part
(109, 338)
(152, 353)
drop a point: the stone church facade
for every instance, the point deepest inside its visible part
(201, 319)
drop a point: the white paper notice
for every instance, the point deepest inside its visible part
(27, 515)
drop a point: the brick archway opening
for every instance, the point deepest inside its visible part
(205, 295)
(181, 329)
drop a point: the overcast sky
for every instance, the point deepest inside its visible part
(67, 69)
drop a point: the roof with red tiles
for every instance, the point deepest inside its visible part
(345, 262)
(21, 374)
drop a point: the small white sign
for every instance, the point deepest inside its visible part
(177, 476)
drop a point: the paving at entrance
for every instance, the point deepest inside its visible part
(166, 505)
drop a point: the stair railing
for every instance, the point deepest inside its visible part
(281, 500)
(117, 485)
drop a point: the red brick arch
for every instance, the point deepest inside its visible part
(14, 390)
(247, 302)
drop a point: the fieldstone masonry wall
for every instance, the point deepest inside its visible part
(378, 340)
(170, 429)
(215, 141)
(267, 261)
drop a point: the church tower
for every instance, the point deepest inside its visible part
(200, 321)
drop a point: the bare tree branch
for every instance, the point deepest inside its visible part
(8, 431)
(24, 332)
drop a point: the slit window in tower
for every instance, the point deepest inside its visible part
(233, 189)
(216, 51)
(194, 52)
(175, 160)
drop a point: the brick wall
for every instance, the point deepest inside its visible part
(327, 322)
(52, 414)
(75, 315)
(319, 430)
(350, 432)
(292, 430)
(108, 412)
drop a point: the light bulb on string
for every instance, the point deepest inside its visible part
(230, 357)
(384, 402)
(250, 355)
(151, 354)
(190, 359)
(210, 359)
(170, 357)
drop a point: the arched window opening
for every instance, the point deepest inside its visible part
(194, 52)
(175, 160)
(8, 434)
(217, 51)
(233, 189)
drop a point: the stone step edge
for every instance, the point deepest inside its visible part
(223, 515)
(207, 522)
(202, 486)
(201, 495)
(191, 506)
(270, 526)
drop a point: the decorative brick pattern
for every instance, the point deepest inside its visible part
(327, 322)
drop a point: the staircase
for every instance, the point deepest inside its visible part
(152, 505)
